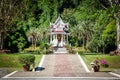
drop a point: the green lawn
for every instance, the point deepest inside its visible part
(113, 61)
(11, 61)
(37, 59)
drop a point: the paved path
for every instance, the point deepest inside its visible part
(62, 65)
(67, 66)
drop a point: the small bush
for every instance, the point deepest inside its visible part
(74, 51)
(104, 63)
(81, 52)
(70, 50)
(48, 49)
(67, 46)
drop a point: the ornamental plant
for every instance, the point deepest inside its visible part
(104, 63)
(96, 61)
(96, 66)
(26, 60)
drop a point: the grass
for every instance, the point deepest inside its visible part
(11, 61)
(37, 59)
(113, 61)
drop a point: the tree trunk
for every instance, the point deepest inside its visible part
(1, 40)
(97, 49)
(118, 33)
(34, 42)
(116, 15)
(103, 49)
(84, 43)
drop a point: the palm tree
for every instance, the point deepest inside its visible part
(87, 31)
(43, 34)
(33, 36)
(83, 30)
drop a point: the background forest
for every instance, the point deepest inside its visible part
(92, 23)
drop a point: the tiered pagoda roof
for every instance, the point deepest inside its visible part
(59, 27)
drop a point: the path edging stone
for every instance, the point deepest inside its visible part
(117, 75)
(83, 63)
(10, 74)
(41, 62)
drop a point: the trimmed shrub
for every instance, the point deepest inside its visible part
(35, 50)
(26, 59)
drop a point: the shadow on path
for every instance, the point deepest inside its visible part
(39, 68)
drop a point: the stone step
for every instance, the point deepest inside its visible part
(102, 75)
(60, 50)
(61, 78)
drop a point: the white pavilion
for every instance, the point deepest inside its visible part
(59, 33)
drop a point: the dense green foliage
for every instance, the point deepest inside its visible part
(109, 36)
(92, 23)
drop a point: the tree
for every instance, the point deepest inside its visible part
(75, 33)
(109, 36)
(88, 20)
(114, 7)
(9, 11)
(16, 41)
(33, 36)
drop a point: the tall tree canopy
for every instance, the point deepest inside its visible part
(10, 11)
(93, 22)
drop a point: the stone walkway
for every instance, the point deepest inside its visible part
(62, 65)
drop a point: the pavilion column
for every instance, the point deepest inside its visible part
(51, 38)
(67, 39)
(62, 41)
(64, 38)
(56, 36)
(56, 40)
